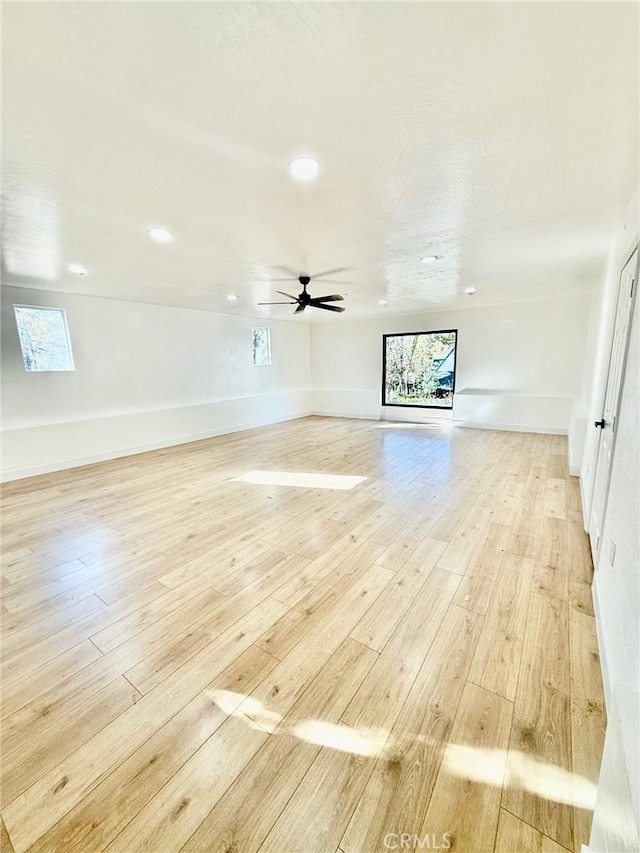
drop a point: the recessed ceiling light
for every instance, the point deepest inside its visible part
(77, 269)
(160, 234)
(470, 290)
(304, 168)
(232, 297)
(429, 259)
(382, 301)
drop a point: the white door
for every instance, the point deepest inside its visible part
(607, 423)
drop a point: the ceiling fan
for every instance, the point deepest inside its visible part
(305, 299)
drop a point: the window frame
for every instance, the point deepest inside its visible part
(384, 368)
(253, 350)
(61, 311)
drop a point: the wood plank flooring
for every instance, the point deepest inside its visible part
(200, 657)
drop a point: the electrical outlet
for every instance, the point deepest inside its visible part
(612, 552)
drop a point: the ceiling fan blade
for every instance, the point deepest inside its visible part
(285, 268)
(281, 279)
(300, 308)
(330, 272)
(282, 293)
(335, 297)
(330, 307)
(276, 303)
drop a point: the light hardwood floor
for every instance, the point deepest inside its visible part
(197, 662)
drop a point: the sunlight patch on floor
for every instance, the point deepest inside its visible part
(497, 767)
(368, 742)
(513, 768)
(251, 710)
(300, 480)
(341, 737)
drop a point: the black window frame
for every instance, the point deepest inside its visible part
(384, 368)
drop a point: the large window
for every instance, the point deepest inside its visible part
(44, 338)
(419, 369)
(261, 346)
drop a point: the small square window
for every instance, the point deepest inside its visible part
(261, 346)
(44, 338)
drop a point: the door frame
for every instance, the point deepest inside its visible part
(626, 258)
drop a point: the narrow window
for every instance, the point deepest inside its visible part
(44, 338)
(261, 346)
(419, 369)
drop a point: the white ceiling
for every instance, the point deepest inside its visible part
(500, 136)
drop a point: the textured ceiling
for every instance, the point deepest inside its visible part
(499, 136)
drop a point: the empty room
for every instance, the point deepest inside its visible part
(320, 424)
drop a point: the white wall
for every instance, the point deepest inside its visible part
(616, 583)
(146, 376)
(578, 427)
(519, 365)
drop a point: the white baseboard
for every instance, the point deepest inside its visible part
(585, 506)
(91, 459)
(31, 450)
(61, 463)
(574, 469)
(380, 417)
(352, 415)
(121, 452)
(511, 427)
(465, 424)
(602, 649)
